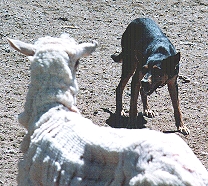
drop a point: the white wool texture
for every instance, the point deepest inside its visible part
(53, 73)
(68, 149)
(64, 148)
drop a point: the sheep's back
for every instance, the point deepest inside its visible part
(68, 149)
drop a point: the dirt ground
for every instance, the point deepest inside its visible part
(184, 22)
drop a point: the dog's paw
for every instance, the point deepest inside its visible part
(184, 130)
(149, 113)
(123, 113)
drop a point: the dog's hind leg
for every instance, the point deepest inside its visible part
(173, 91)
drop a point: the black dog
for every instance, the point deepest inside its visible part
(150, 57)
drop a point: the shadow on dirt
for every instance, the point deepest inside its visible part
(111, 121)
(170, 131)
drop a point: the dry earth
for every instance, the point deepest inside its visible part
(184, 22)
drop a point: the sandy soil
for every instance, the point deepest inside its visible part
(184, 22)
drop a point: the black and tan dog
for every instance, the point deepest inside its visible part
(149, 56)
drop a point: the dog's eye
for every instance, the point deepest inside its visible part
(157, 72)
(144, 69)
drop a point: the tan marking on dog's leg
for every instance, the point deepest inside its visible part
(146, 110)
(173, 91)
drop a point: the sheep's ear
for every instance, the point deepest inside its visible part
(24, 48)
(87, 48)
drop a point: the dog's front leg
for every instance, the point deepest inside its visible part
(128, 68)
(135, 88)
(119, 93)
(173, 91)
(146, 110)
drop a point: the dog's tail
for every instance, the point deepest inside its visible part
(117, 58)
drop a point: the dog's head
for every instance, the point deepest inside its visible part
(158, 72)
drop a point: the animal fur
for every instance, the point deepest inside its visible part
(64, 148)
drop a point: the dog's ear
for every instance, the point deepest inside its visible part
(177, 58)
(171, 64)
(172, 60)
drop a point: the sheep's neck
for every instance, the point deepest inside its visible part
(40, 100)
(53, 83)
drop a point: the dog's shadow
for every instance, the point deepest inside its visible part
(124, 121)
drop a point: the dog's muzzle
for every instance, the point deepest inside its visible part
(148, 88)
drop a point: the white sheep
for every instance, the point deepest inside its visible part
(64, 148)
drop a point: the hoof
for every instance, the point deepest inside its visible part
(184, 130)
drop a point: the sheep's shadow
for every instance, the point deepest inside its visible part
(111, 121)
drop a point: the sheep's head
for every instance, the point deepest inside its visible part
(65, 46)
(54, 62)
